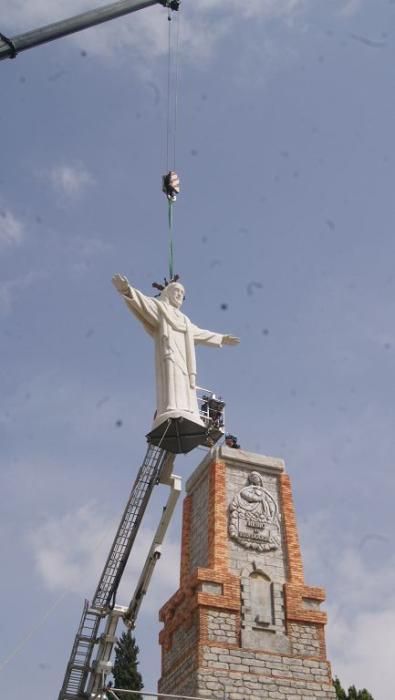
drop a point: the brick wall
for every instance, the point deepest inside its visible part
(198, 553)
(243, 624)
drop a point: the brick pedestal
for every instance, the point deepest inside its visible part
(243, 625)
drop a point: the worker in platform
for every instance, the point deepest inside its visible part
(175, 338)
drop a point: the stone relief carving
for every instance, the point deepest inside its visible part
(254, 520)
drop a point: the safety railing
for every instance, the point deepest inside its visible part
(212, 412)
(117, 694)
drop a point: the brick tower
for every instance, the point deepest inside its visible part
(243, 625)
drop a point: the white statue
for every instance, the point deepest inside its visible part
(175, 339)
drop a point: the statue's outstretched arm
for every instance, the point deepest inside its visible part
(122, 285)
(203, 337)
(230, 340)
(143, 307)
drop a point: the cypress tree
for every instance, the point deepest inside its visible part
(340, 693)
(352, 694)
(126, 675)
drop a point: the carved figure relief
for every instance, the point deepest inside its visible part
(253, 517)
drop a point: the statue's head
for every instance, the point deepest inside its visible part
(255, 478)
(174, 294)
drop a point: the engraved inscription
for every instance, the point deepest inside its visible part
(253, 517)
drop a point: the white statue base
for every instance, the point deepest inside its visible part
(177, 413)
(179, 432)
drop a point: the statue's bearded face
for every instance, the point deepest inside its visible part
(175, 294)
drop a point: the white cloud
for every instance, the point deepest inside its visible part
(11, 229)
(10, 290)
(348, 8)
(87, 414)
(7, 290)
(25, 14)
(70, 180)
(266, 9)
(84, 251)
(146, 35)
(204, 23)
(70, 552)
(361, 609)
(362, 650)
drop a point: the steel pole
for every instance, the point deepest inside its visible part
(56, 30)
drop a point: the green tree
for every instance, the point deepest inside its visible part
(352, 694)
(340, 693)
(126, 675)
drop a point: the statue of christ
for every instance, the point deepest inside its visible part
(175, 337)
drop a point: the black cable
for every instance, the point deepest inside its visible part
(10, 44)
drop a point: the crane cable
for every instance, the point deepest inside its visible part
(170, 181)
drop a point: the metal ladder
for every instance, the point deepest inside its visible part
(79, 665)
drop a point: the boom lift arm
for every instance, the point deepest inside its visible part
(102, 665)
(85, 677)
(154, 553)
(156, 468)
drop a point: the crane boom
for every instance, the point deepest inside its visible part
(10, 47)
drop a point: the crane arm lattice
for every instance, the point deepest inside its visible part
(79, 665)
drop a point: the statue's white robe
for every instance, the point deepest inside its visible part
(175, 361)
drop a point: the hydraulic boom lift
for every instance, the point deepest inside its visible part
(85, 676)
(156, 466)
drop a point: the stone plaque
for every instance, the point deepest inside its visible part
(253, 517)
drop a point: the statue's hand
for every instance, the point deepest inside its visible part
(121, 284)
(230, 340)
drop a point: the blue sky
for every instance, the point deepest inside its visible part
(286, 156)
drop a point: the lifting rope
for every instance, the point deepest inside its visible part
(171, 181)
